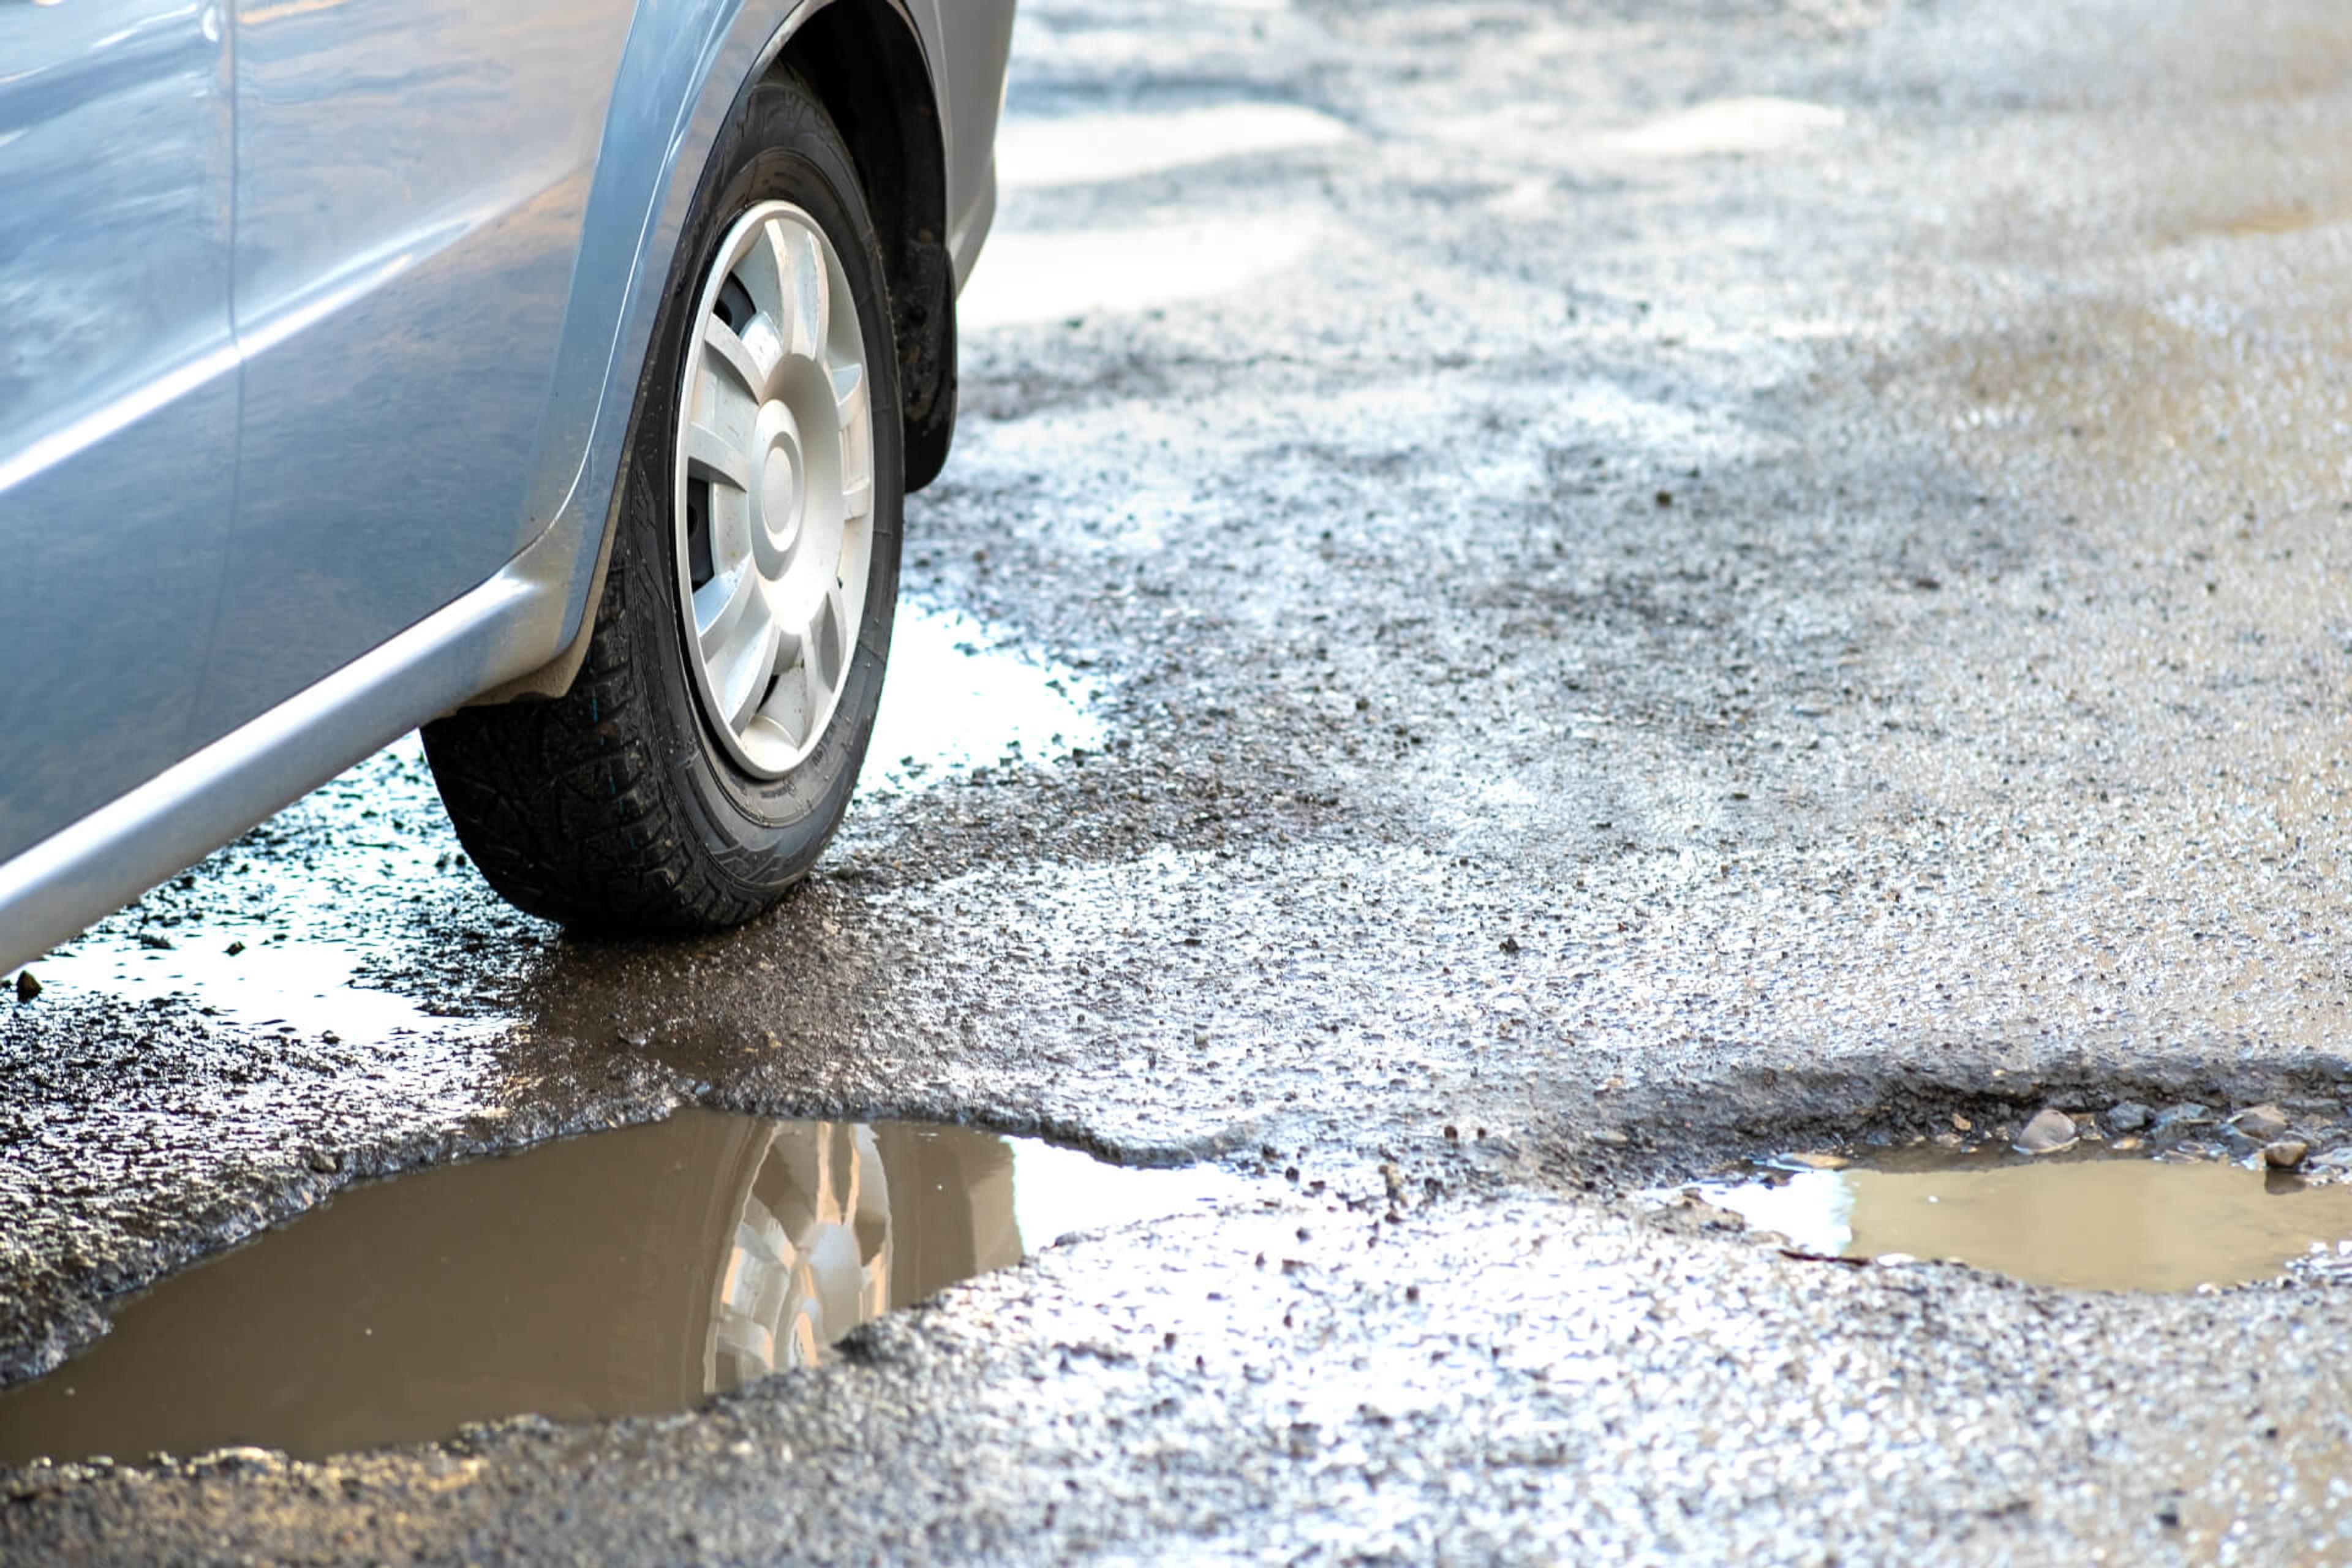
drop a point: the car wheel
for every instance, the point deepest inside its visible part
(707, 751)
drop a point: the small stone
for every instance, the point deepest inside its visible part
(26, 986)
(2125, 1144)
(2126, 1116)
(2050, 1131)
(233, 948)
(1817, 1160)
(155, 940)
(1612, 1137)
(1510, 944)
(1962, 1123)
(2264, 1122)
(323, 1162)
(2286, 1154)
(2189, 1113)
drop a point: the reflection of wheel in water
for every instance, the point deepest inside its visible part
(811, 1254)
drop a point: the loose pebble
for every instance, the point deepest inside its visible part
(2126, 1116)
(2050, 1131)
(2264, 1122)
(2286, 1154)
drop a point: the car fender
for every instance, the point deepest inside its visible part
(684, 66)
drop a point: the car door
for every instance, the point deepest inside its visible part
(411, 176)
(118, 393)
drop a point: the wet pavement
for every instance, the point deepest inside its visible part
(1586, 592)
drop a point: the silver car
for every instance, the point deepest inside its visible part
(546, 372)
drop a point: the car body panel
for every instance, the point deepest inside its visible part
(973, 43)
(117, 393)
(411, 179)
(682, 63)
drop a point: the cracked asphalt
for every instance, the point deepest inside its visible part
(1626, 586)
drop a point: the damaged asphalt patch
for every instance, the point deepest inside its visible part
(1694, 581)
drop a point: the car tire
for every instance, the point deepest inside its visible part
(669, 789)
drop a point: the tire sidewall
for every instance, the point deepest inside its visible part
(760, 835)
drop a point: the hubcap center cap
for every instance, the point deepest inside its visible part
(780, 492)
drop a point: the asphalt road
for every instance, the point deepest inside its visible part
(1584, 591)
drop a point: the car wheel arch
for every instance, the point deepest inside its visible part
(865, 61)
(854, 55)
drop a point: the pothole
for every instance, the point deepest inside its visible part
(2088, 1220)
(626, 1273)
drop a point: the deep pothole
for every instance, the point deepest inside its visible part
(625, 1273)
(2088, 1216)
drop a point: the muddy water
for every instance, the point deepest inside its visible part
(2088, 1224)
(623, 1273)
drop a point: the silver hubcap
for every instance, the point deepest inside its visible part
(774, 487)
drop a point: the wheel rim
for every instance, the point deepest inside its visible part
(773, 498)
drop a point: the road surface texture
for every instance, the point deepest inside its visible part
(1628, 584)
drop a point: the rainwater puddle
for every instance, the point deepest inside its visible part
(309, 987)
(1080, 148)
(1727, 125)
(308, 925)
(299, 924)
(1032, 277)
(628, 1273)
(2086, 1224)
(952, 700)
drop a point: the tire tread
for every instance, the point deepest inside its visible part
(521, 787)
(581, 809)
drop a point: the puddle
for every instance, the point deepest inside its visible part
(309, 925)
(307, 987)
(297, 925)
(1727, 125)
(2088, 1223)
(1053, 276)
(1081, 148)
(625, 1273)
(952, 700)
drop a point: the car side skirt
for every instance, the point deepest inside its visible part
(516, 633)
(108, 858)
